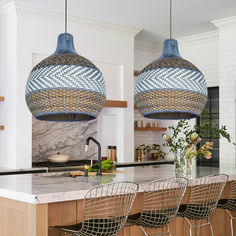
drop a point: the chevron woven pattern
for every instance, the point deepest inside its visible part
(170, 87)
(171, 78)
(65, 76)
(65, 86)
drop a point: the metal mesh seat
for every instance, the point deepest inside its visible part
(160, 203)
(105, 210)
(204, 196)
(229, 204)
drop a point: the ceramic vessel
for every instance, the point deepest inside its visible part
(59, 158)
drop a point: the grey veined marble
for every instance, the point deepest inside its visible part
(65, 137)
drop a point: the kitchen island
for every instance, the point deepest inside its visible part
(31, 203)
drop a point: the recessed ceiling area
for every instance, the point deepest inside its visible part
(189, 16)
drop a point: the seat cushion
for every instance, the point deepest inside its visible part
(151, 219)
(70, 228)
(182, 208)
(229, 204)
(195, 211)
(134, 217)
(99, 227)
(221, 203)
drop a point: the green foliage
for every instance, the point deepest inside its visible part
(145, 148)
(155, 146)
(182, 132)
(105, 165)
(160, 153)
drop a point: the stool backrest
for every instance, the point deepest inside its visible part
(232, 194)
(204, 195)
(231, 201)
(162, 197)
(107, 207)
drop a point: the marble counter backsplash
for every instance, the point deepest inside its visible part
(65, 137)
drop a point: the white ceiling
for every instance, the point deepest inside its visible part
(189, 16)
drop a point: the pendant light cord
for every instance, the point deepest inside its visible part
(65, 16)
(170, 19)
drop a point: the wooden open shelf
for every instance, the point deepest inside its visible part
(136, 73)
(116, 103)
(150, 129)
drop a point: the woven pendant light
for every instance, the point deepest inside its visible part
(65, 86)
(170, 87)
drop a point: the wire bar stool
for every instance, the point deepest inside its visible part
(229, 205)
(204, 196)
(160, 204)
(105, 210)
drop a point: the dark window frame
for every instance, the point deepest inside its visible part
(213, 117)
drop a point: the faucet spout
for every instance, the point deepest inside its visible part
(99, 172)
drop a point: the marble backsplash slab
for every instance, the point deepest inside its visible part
(65, 137)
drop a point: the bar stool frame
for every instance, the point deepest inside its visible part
(203, 198)
(105, 209)
(160, 203)
(230, 205)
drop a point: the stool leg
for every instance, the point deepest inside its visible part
(168, 230)
(143, 230)
(221, 222)
(231, 223)
(190, 225)
(232, 227)
(190, 231)
(211, 230)
(183, 227)
(198, 228)
(212, 233)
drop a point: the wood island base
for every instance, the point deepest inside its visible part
(24, 219)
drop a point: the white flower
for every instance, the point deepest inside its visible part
(166, 138)
(194, 136)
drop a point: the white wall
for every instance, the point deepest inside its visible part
(8, 88)
(227, 82)
(30, 30)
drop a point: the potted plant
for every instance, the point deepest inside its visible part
(156, 152)
(144, 150)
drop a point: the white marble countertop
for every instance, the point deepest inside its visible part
(57, 186)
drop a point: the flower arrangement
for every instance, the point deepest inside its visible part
(185, 141)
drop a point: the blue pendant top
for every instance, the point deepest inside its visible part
(65, 44)
(170, 49)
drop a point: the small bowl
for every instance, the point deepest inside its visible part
(59, 158)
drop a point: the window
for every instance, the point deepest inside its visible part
(210, 115)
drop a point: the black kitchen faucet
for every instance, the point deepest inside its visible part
(99, 171)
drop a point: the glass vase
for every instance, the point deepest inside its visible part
(183, 165)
